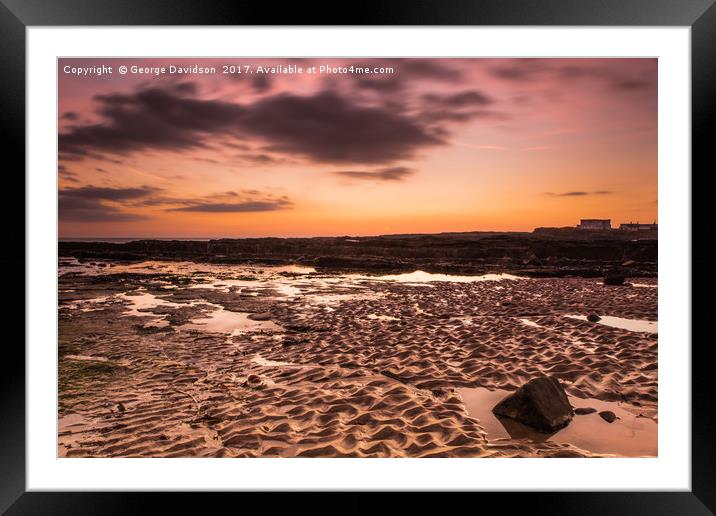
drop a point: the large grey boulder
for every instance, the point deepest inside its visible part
(540, 403)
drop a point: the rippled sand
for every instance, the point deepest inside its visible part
(192, 360)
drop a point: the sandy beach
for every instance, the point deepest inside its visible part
(183, 359)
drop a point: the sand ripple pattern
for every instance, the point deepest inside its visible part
(338, 382)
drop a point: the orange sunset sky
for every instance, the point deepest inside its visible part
(437, 145)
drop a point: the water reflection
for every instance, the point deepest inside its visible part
(640, 325)
(233, 323)
(428, 277)
(629, 436)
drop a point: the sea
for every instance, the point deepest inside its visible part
(122, 240)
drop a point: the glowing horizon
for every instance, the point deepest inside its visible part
(439, 145)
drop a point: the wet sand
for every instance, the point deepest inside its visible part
(179, 359)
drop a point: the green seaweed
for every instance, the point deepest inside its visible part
(75, 374)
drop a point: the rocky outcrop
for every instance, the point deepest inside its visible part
(540, 403)
(530, 254)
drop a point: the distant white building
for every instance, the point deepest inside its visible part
(599, 224)
(632, 226)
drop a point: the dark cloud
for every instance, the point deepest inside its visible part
(106, 204)
(281, 203)
(405, 72)
(383, 84)
(329, 128)
(238, 146)
(107, 193)
(632, 84)
(458, 107)
(259, 159)
(67, 175)
(529, 70)
(185, 87)
(324, 127)
(152, 118)
(83, 210)
(261, 83)
(428, 69)
(257, 83)
(90, 203)
(385, 174)
(63, 171)
(248, 200)
(512, 73)
(578, 193)
(446, 115)
(458, 100)
(70, 115)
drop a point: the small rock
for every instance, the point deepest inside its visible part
(581, 411)
(608, 416)
(540, 403)
(120, 407)
(593, 318)
(253, 379)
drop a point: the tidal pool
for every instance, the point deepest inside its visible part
(640, 325)
(233, 323)
(428, 277)
(628, 436)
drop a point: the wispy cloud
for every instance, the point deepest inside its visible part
(578, 193)
(534, 70)
(538, 148)
(384, 174)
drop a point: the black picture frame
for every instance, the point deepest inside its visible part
(17, 15)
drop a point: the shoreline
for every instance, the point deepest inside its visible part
(542, 254)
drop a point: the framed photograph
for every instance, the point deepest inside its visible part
(417, 250)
